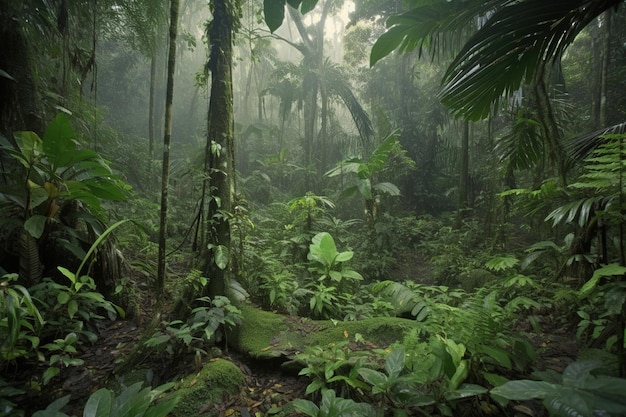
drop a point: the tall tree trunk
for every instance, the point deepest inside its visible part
(19, 107)
(220, 146)
(545, 114)
(169, 99)
(153, 74)
(464, 173)
(605, 54)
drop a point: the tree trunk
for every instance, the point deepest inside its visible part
(605, 54)
(464, 173)
(19, 107)
(171, 67)
(153, 74)
(220, 146)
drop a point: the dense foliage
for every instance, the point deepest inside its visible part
(459, 165)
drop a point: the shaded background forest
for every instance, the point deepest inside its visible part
(338, 147)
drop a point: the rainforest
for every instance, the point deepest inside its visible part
(324, 208)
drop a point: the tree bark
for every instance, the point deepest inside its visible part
(220, 146)
(464, 173)
(169, 99)
(605, 54)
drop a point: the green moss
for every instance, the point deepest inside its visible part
(265, 335)
(256, 331)
(207, 387)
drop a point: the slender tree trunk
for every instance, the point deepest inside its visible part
(546, 116)
(464, 173)
(153, 74)
(596, 72)
(605, 54)
(169, 99)
(220, 146)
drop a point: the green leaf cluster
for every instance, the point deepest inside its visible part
(132, 401)
(582, 390)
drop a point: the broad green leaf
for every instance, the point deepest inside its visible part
(35, 225)
(50, 373)
(499, 355)
(344, 256)
(99, 404)
(465, 391)
(59, 141)
(30, 146)
(351, 273)
(377, 379)
(54, 408)
(125, 401)
(395, 362)
(323, 249)
(163, 408)
(606, 271)
(72, 308)
(306, 407)
(387, 188)
(63, 298)
(525, 390)
(38, 195)
(495, 379)
(222, 256)
(335, 276)
(365, 188)
(307, 6)
(274, 12)
(387, 43)
(460, 375)
(69, 275)
(314, 386)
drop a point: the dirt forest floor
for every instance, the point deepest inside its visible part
(266, 385)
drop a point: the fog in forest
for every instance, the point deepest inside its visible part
(312, 207)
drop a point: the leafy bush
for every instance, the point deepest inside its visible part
(20, 321)
(584, 389)
(132, 401)
(201, 329)
(333, 406)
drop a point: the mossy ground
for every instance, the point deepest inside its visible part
(265, 335)
(200, 391)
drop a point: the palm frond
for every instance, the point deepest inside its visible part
(580, 147)
(509, 47)
(336, 81)
(523, 147)
(514, 39)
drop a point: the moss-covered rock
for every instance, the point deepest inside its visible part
(198, 391)
(263, 335)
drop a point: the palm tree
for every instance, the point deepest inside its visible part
(321, 79)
